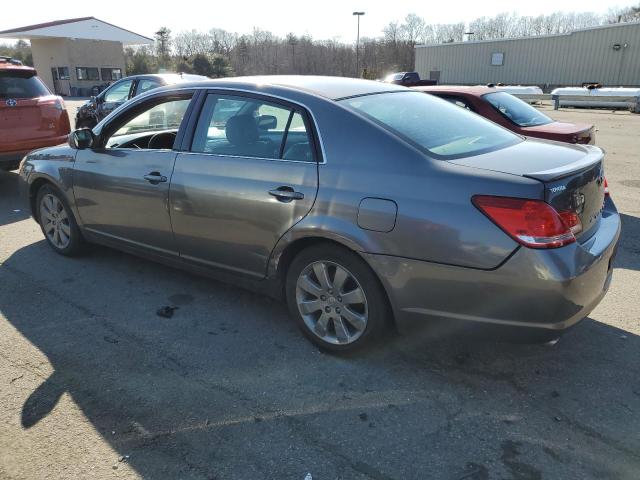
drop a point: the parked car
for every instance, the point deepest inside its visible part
(96, 108)
(361, 203)
(30, 116)
(408, 79)
(511, 112)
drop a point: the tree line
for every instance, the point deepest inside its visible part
(219, 53)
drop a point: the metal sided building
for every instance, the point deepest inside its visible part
(608, 54)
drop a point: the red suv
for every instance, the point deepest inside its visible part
(512, 113)
(30, 116)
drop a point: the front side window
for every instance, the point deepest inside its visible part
(433, 125)
(119, 92)
(154, 127)
(514, 109)
(248, 127)
(21, 84)
(87, 73)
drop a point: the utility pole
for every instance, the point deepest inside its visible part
(358, 14)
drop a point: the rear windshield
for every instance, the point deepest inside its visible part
(433, 125)
(15, 84)
(514, 109)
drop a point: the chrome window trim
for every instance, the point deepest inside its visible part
(152, 93)
(248, 157)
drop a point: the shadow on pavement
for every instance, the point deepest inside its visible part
(228, 388)
(11, 207)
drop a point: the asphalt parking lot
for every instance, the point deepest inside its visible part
(93, 384)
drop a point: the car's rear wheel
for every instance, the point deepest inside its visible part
(335, 298)
(57, 221)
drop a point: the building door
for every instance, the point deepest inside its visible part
(61, 85)
(434, 75)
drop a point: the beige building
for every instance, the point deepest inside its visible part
(609, 54)
(74, 56)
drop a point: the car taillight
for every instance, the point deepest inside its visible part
(606, 187)
(55, 102)
(532, 223)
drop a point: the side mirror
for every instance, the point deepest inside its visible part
(267, 122)
(81, 139)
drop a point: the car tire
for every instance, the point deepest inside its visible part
(57, 222)
(335, 298)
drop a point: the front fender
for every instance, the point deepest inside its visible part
(50, 165)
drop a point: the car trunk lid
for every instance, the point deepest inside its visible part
(572, 175)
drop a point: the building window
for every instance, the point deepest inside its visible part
(497, 59)
(110, 74)
(87, 73)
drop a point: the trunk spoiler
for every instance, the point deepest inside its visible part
(593, 157)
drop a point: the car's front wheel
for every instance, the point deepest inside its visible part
(57, 221)
(335, 297)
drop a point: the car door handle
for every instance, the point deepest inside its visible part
(155, 178)
(286, 194)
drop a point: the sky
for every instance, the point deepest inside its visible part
(322, 19)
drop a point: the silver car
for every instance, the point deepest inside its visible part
(362, 204)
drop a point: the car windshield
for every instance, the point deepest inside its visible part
(433, 125)
(394, 76)
(16, 84)
(514, 109)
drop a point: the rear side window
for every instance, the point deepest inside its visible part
(249, 127)
(145, 85)
(436, 126)
(15, 84)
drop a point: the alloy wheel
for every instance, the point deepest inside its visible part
(332, 302)
(55, 221)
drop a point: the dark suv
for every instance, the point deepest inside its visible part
(96, 108)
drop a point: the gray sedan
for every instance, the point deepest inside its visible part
(362, 204)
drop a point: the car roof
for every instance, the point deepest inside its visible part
(334, 88)
(20, 68)
(170, 78)
(475, 90)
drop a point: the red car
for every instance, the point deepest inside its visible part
(511, 112)
(30, 116)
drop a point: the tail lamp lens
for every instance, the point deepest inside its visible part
(606, 187)
(532, 223)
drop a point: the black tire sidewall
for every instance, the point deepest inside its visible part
(76, 241)
(376, 297)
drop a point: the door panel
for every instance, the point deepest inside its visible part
(114, 198)
(223, 214)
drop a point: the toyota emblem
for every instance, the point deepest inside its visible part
(12, 102)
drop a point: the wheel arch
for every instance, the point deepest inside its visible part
(34, 187)
(280, 263)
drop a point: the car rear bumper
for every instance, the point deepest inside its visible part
(14, 152)
(536, 289)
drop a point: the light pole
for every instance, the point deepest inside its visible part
(468, 34)
(358, 14)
